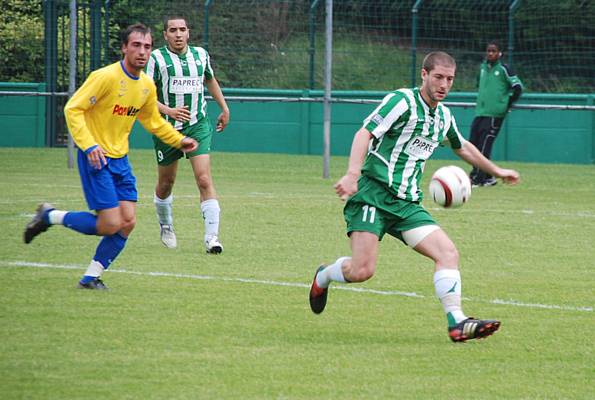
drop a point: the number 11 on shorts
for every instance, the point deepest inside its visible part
(371, 211)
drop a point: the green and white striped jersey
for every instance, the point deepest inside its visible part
(180, 81)
(406, 132)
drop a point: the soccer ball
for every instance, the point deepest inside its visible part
(450, 187)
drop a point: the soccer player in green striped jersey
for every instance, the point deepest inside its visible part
(383, 193)
(180, 73)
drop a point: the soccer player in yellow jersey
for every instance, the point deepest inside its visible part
(100, 116)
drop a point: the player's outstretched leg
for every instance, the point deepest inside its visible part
(472, 328)
(318, 295)
(39, 223)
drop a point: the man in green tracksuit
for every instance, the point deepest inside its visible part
(498, 89)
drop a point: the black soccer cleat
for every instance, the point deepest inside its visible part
(472, 328)
(37, 224)
(318, 295)
(490, 182)
(95, 284)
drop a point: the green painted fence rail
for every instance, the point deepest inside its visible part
(291, 126)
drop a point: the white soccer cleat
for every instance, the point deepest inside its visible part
(168, 236)
(213, 245)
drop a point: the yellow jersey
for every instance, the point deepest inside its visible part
(103, 110)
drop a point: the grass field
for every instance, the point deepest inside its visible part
(180, 324)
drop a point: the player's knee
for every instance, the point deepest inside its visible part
(108, 227)
(204, 181)
(128, 225)
(449, 256)
(361, 270)
(166, 184)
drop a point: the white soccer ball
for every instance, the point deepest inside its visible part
(450, 187)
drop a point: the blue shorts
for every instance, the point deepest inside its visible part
(104, 188)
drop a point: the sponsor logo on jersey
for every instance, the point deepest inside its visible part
(421, 147)
(184, 84)
(125, 111)
(377, 119)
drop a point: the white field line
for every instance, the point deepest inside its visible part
(272, 196)
(482, 211)
(4, 263)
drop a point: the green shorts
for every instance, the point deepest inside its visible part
(201, 131)
(374, 209)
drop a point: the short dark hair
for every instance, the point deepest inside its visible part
(168, 18)
(438, 57)
(495, 43)
(142, 29)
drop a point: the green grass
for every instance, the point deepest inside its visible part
(233, 336)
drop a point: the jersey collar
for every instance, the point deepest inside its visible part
(128, 74)
(425, 105)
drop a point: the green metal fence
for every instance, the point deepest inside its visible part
(279, 44)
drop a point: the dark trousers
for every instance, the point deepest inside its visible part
(484, 131)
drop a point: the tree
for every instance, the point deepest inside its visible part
(21, 38)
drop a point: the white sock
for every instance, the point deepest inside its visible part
(95, 269)
(56, 217)
(210, 212)
(163, 207)
(447, 283)
(333, 272)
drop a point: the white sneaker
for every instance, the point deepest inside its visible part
(213, 245)
(168, 236)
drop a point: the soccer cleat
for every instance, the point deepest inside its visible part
(213, 245)
(168, 236)
(472, 328)
(95, 284)
(37, 224)
(318, 295)
(490, 182)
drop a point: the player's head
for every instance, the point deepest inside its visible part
(135, 28)
(437, 74)
(137, 44)
(493, 51)
(176, 33)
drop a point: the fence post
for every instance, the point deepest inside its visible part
(205, 36)
(72, 73)
(51, 64)
(106, 27)
(312, 39)
(328, 63)
(414, 41)
(95, 16)
(590, 102)
(514, 5)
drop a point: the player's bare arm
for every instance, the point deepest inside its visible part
(181, 114)
(215, 91)
(347, 185)
(473, 156)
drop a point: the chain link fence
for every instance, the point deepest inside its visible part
(279, 44)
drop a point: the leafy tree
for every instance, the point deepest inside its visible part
(21, 41)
